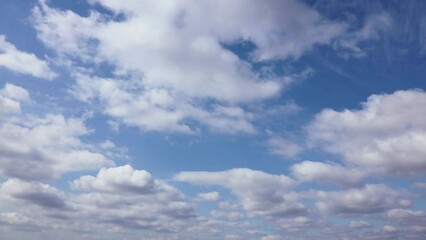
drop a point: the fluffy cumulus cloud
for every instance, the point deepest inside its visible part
(387, 134)
(32, 193)
(11, 97)
(260, 193)
(47, 147)
(176, 55)
(132, 198)
(23, 62)
(366, 200)
(159, 109)
(42, 147)
(117, 198)
(123, 178)
(308, 171)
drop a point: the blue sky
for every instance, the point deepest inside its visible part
(187, 119)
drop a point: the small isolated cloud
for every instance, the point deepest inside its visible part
(23, 62)
(283, 147)
(390, 229)
(207, 197)
(107, 144)
(387, 135)
(11, 97)
(260, 193)
(119, 179)
(359, 224)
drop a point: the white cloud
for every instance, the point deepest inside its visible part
(366, 200)
(35, 193)
(228, 206)
(405, 214)
(107, 144)
(8, 105)
(390, 229)
(283, 147)
(159, 109)
(34, 147)
(231, 215)
(279, 28)
(309, 171)
(295, 224)
(387, 135)
(118, 179)
(374, 25)
(41, 147)
(208, 196)
(359, 224)
(131, 198)
(271, 237)
(119, 198)
(15, 92)
(10, 98)
(261, 194)
(181, 75)
(186, 60)
(23, 62)
(14, 218)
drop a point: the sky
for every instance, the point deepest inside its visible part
(215, 119)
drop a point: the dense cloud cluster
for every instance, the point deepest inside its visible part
(175, 69)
